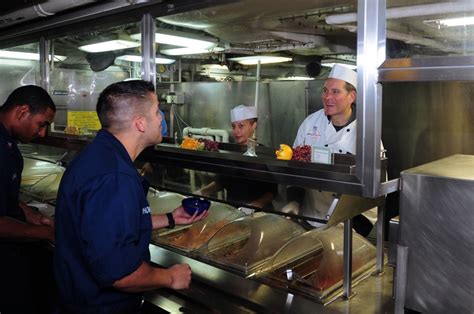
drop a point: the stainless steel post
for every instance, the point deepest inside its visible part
(257, 84)
(44, 53)
(371, 38)
(401, 279)
(347, 281)
(147, 27)
(172, 111)
(171, 131)
(252, 142)
(380, 237)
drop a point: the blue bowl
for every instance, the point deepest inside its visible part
(194, 204)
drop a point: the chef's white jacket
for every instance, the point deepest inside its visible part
(317, 130)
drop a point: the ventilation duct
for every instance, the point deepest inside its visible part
(100, 61)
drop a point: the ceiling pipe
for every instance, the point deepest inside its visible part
(407, 38)
(45, 9)
(275, 48)
(407, 11)
(303, 38)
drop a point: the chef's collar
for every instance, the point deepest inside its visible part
(351, 119)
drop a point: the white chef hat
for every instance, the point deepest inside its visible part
(344, 73)
(243, 112)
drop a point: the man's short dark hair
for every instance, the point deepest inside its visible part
(119, 102)
(349, 87)
(37, 99)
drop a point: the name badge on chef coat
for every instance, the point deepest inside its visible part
(321, 155)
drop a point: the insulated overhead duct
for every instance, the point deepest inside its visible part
(408, 38)
(44, 9)
(302, 38)
(408, 11)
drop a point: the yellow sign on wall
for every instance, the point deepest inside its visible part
(83, 120)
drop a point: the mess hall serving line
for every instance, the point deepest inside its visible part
(210, 280)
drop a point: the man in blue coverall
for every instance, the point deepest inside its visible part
(164, 126)
(25, 115)
(103, 221)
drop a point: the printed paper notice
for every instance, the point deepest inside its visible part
(87, 120)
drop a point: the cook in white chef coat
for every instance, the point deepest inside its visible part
(241, 189)
(333, 128)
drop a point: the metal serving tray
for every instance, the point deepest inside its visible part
(248, 244)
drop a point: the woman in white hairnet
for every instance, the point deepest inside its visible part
(332, 127)
(242, 190)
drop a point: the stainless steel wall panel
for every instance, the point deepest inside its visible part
(78, 90)
(426, 121)
(288, 110)
(14, 73)
(281, 107)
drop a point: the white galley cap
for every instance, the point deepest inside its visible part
(243, 112)
(344, 73)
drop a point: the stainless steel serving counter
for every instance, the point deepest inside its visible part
(223, 289)
(220, 291)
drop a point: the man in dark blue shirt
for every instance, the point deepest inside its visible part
(103, 221)
(25, 115)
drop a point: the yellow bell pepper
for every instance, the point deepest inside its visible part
(284, 153)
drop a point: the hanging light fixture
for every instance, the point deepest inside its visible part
(21, 55)
(135, 58)
(252, 60)
(110, 45)
(181, 39)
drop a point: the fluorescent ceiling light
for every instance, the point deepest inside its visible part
(263, 59)
(331, 64)
(458, 21)
(116, 44)
(181, 39)
(8, 54)
(189, 51)
(295, 78)
(183, 42)
(134, 58)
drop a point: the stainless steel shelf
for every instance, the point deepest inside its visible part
(339, 177)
